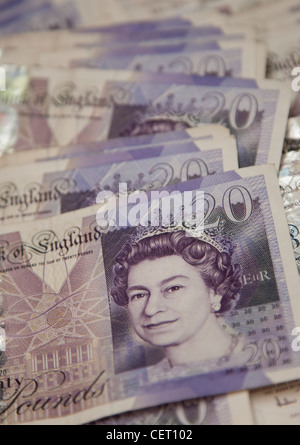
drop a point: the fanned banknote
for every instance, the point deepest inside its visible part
(202, 133)
(52, 40)
(232, 409)
(235, 59)
(278, 27)
(36, 15)
(114, 11)
(60, 186)
(65, 106)
(74, 354)
(228, 59)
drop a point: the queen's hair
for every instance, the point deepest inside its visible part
(215, 268)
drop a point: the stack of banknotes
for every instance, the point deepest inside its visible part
(149, 212)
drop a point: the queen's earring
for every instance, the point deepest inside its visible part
(216, 303)
(215, 307)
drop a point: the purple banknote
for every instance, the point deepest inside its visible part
(101, 320)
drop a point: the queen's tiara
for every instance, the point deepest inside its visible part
(214, 236)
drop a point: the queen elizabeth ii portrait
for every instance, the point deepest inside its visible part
(176, 287)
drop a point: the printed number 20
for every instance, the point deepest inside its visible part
(270, 349)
